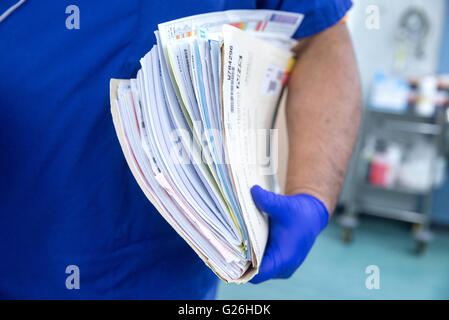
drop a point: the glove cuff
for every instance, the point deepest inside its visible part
(320, 210)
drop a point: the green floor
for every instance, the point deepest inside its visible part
(335, 270)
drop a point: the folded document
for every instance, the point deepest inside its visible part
(194, 126)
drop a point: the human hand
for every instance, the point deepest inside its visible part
(295, 222)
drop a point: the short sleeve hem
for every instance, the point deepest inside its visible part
(321, 17)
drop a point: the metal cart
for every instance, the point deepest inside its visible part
(403, 128)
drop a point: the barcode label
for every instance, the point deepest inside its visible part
(272, 81)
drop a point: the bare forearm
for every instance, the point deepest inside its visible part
(323, 115)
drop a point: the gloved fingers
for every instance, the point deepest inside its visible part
(269, 267)
(269, 202)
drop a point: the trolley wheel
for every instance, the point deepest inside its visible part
(422, 236)
(421, 247)
(347, 235)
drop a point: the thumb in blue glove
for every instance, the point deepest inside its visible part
(295, 222)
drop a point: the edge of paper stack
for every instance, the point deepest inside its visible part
(185, 126)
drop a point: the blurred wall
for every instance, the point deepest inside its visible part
(376, 48)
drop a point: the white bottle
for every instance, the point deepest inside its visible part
(427, 91)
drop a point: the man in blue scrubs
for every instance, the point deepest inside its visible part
(69, 207)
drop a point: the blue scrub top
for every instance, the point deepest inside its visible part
(67, 196)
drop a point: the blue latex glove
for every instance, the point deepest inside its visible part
(295, 222)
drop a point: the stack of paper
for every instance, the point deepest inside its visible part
(194, 128)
